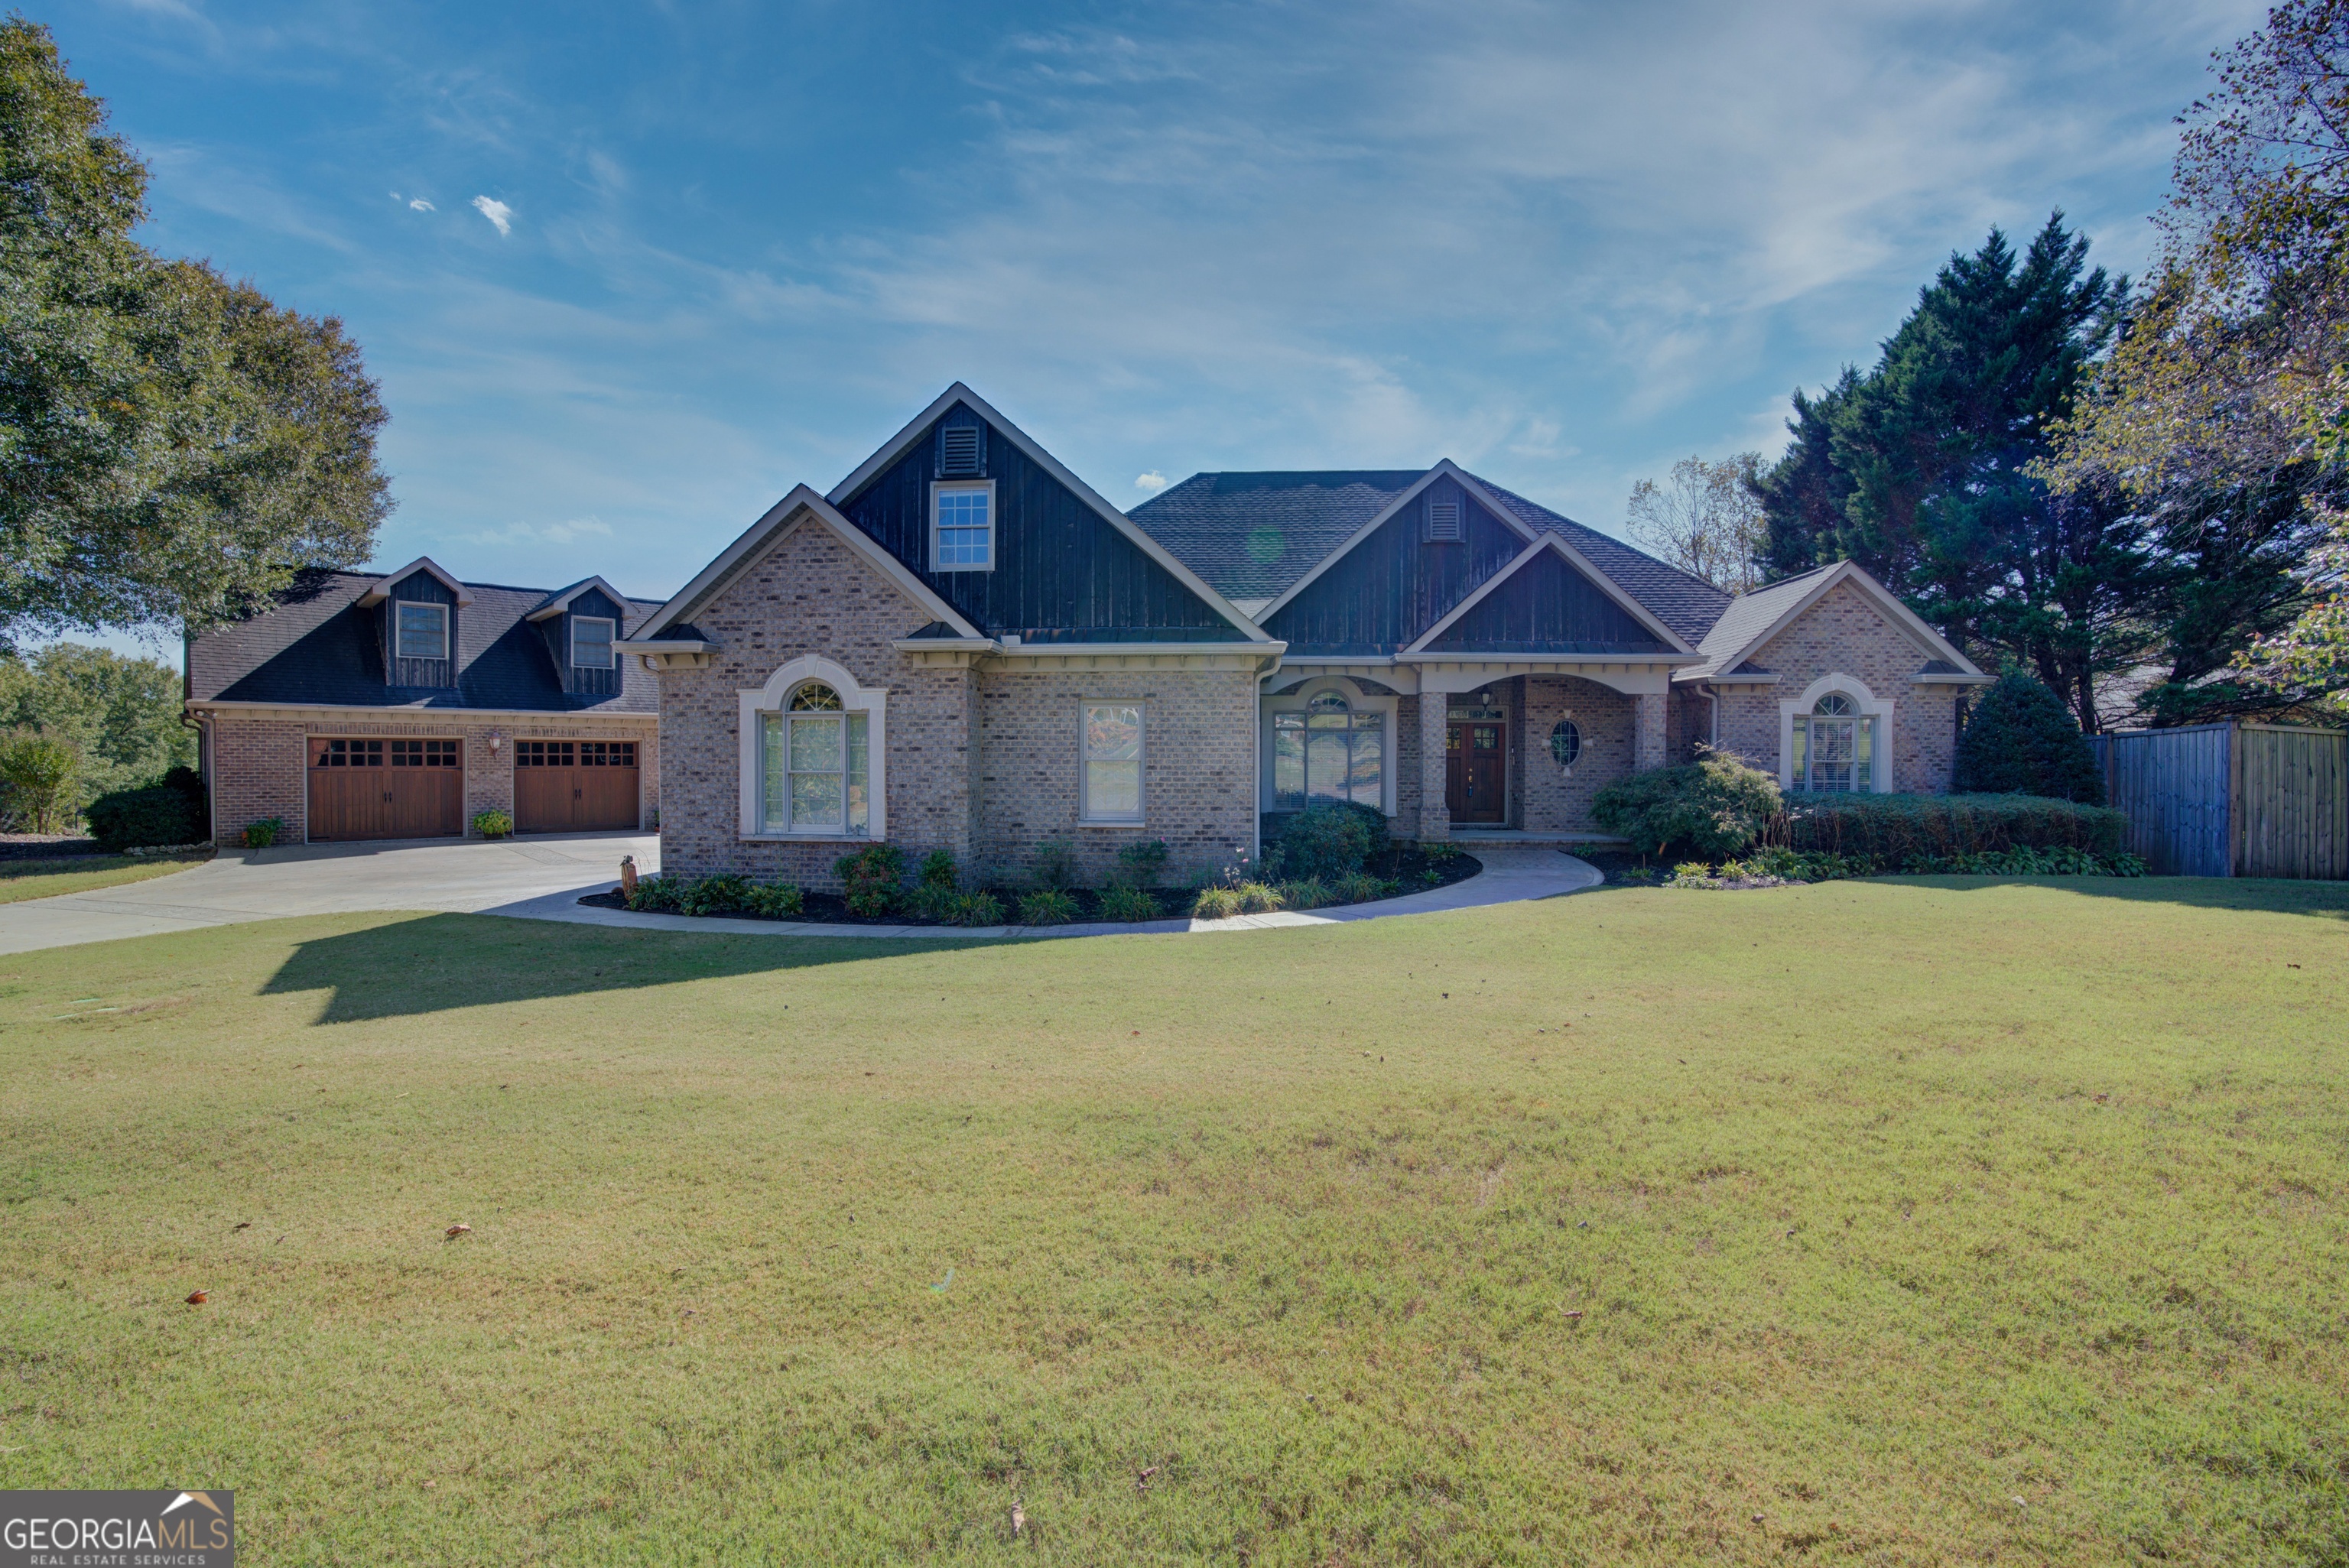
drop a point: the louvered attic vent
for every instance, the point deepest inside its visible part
(959, 452)
(1443, 522)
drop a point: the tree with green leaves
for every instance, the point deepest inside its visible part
(122, 715)
(2021, 740)
(174, 446)
(1922, 469)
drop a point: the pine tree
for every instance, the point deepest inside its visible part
(2021, 740)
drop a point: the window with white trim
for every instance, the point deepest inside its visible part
(815, 767)
(1328, 751)
(962, 526)
(1835, 747)
(422, 631)
(590, 642)
(1109, 777)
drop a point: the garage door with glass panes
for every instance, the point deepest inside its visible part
(384, 789)
(574, 786)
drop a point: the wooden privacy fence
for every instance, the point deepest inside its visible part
(2232, 800)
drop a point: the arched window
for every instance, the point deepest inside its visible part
(816, 766)
(1327, 752)
(1834, 746)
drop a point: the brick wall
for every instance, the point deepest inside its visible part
(1846, 634)
(1551, 800)
(261, 765)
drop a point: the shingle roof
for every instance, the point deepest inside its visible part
(317, 648)
(1746, 617)
(1688, 605)
(1251, 535)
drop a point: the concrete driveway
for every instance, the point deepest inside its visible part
(466, 876)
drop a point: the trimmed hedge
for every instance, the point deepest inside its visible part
(2022, 739)
(1893, 828)
(136, 819)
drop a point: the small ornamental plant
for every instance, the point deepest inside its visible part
(1047, 906)
(492, 824)
(260, 835)
(870, 878)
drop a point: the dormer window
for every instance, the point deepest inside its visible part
(423, 630)
(590, 642)
(961, 452)
(962, 526)
(1443, 525)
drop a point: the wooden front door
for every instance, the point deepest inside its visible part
(384, 789)
(574, 786)
(1477, 772)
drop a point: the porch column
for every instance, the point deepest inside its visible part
(1434, 812)
(1648, 730)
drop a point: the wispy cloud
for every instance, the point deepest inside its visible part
(421, 205)
(572, 531)
(1150, 484)
(496, 211)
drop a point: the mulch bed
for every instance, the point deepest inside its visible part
(1623, 868)
(1173, 903)
(46, 845)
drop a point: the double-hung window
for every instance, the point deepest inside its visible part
(962, 525)
(1110, 777)
(423, 630)
(590, 642)
(816, 765)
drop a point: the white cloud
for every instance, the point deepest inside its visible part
(496, 211)
(1153, 482)
(421, 205)
(570, 532)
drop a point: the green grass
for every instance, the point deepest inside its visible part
(1928, 1222)
(21, 880)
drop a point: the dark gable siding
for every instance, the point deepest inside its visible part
(557, 629)
(1549, 607)
(419, 588)
(1381, 594)
(1061, 572)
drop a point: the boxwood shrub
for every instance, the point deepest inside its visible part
(1893, 828)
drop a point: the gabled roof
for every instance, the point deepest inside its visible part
(425, 564)
(1444, 469)
(320, 646)
(1252, 535)
(669, 620)
(1554, 544)
(560, 599)
(1682, 601)
(1751, 619)
(896, 444)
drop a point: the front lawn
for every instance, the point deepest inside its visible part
(47, 878)
(1862, 1222)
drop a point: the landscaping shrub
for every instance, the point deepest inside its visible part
(1306, 893)
(492, 823)
(1127, 903)
(870, 879)
(136, 818)
(1712, 808)
(1048, 906)
(655, 895)
(979, 908)
(2022, 740)
(721, 894)
(1056, 865)
(40, 781)
(775, 901)
(1140, 865)
(937, 870)
(1329, 838)
(1362, 888)
(260, 835)
(1893, 828)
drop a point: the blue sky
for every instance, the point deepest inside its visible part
(627, 272)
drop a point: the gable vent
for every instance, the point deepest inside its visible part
(1443, 522)
(958, 451)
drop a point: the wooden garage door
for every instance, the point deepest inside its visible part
(370, 788)
(574, 786)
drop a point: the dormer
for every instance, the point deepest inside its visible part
(580, 626)
(418, 611)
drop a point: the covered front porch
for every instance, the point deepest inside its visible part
(1498, 749)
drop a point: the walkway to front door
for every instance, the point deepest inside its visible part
(1477, 772)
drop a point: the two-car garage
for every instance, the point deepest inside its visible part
(369, 787)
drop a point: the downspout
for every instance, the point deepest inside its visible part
(1714, 697)
(1255, 761)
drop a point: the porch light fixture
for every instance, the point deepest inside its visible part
(496, 740)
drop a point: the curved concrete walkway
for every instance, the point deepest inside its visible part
(1511, 874)
(543, 878)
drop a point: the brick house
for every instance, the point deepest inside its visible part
(963, 646)
(398, 705)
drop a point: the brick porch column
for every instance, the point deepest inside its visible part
(1648, 730)
(1435, 813)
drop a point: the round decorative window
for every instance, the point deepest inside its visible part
(1566, 743)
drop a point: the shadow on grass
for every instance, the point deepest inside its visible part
(438, 963)
(2324, 899)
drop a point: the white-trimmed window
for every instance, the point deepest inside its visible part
(962, 525)
(1110, 775)
(1835, 747)
(590, 642)
(1328, 750)
(421, 630)
(816, 766)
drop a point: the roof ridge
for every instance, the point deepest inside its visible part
(1601, 533)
